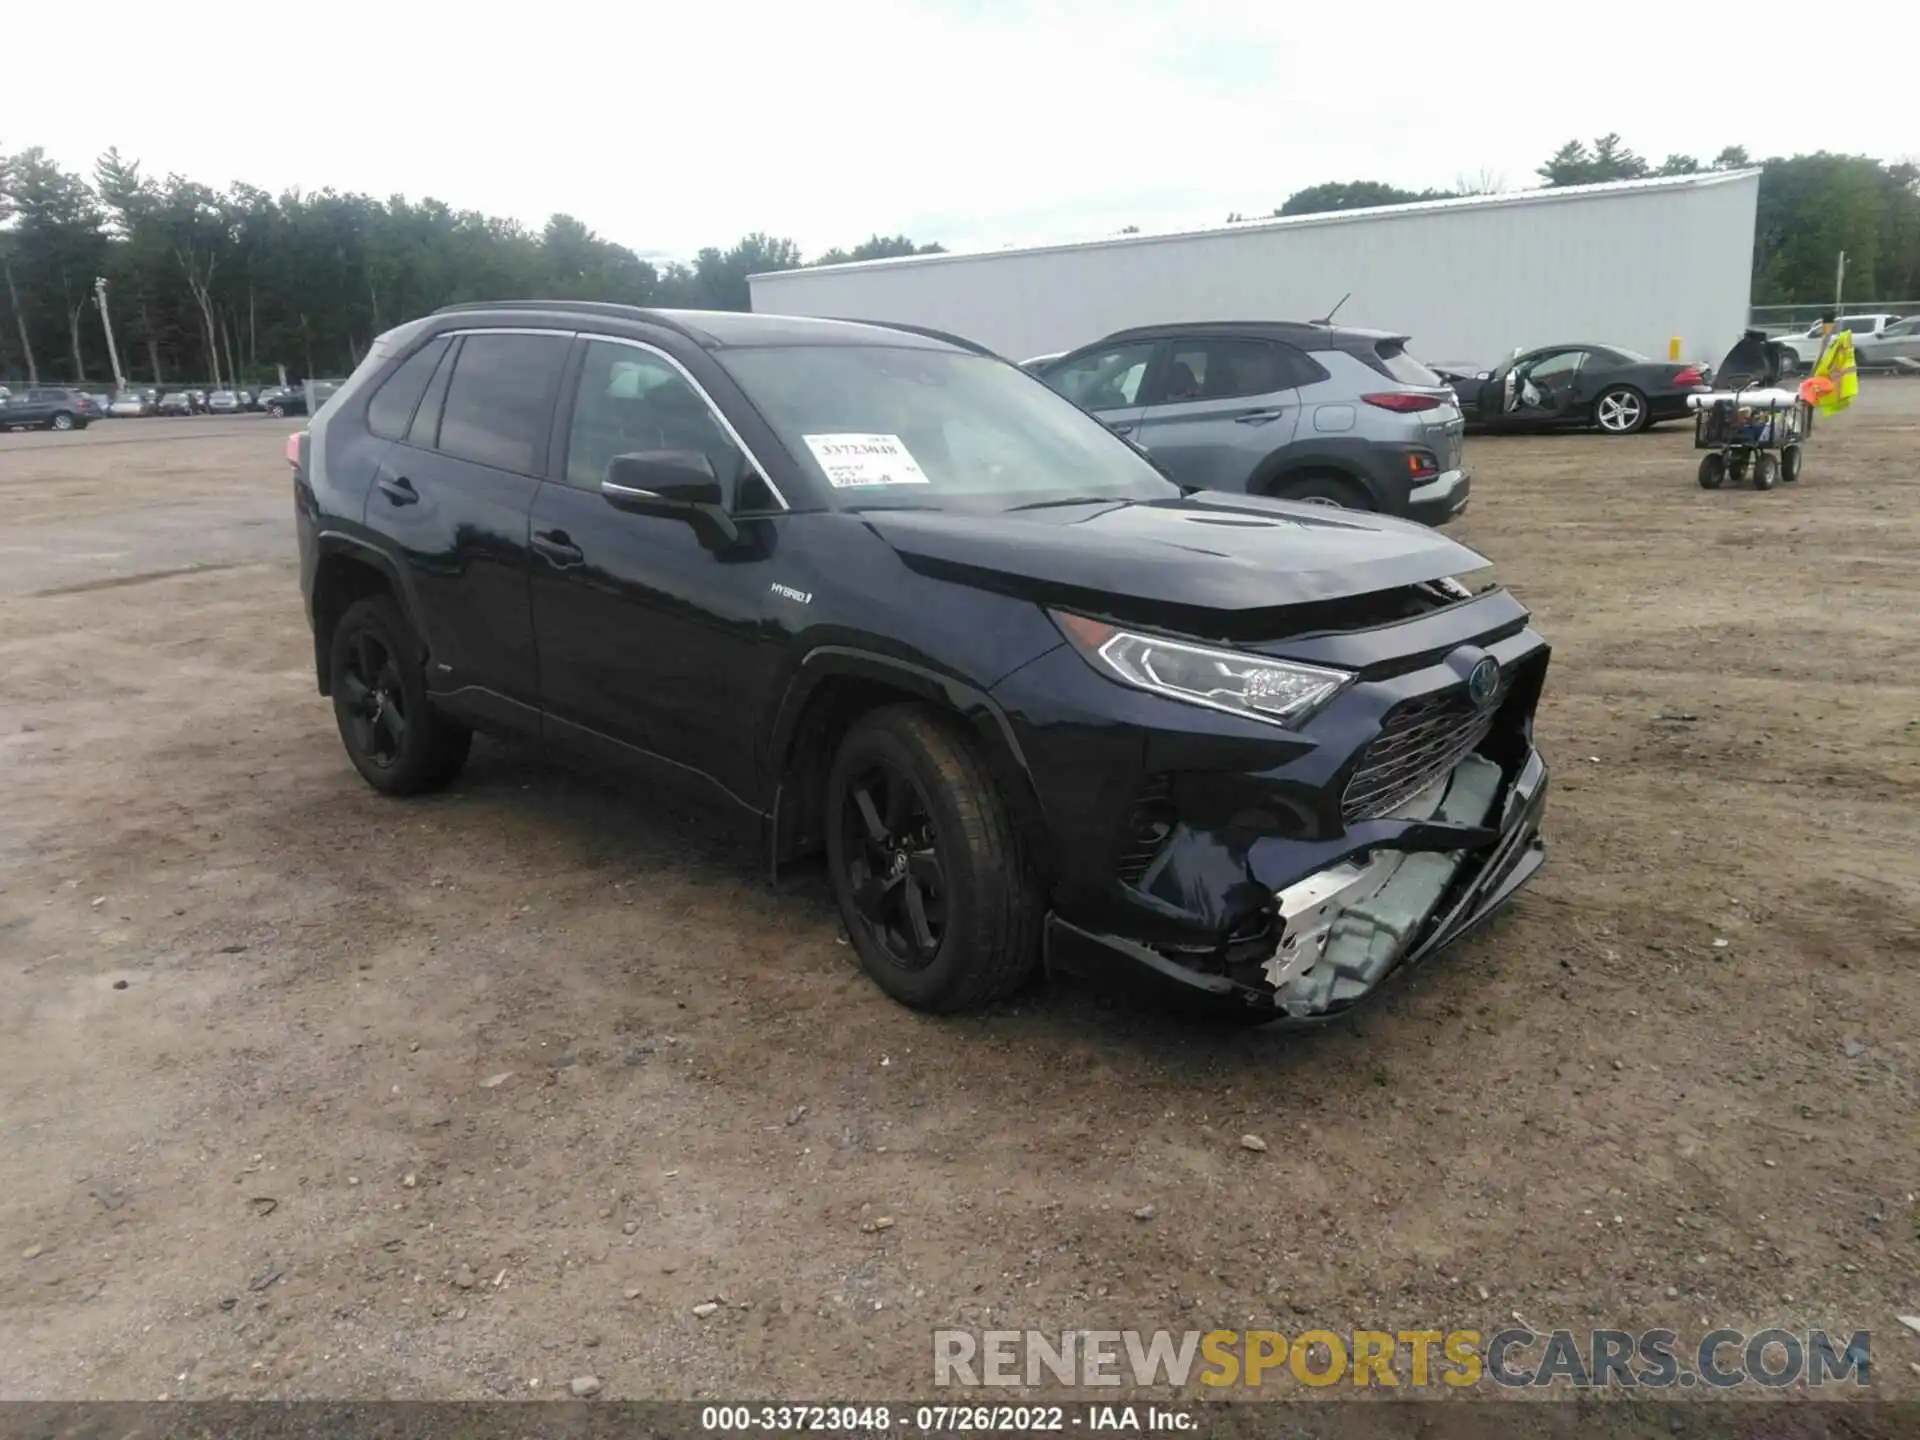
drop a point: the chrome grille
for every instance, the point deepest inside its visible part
(1419, 741)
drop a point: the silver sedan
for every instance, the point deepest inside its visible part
(1898, 345)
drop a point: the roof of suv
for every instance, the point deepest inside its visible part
(721, 329)
(1306, 334)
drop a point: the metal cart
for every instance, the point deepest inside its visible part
(1750, 425)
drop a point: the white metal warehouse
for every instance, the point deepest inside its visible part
(1631, 264)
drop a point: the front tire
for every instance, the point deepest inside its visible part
(928, 869)
(1713, 471)
(1791, 459)
(1621, 410)
(397, 741)
(1766, 471)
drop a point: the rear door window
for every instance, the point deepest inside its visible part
(1229, 369)
(391, 409)
(425, 429)
(500, 400)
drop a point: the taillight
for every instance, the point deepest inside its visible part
(293, 449)
(1404, 402)
(1689, 376)
(1421, 465)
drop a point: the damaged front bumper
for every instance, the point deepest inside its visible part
(1340, 931)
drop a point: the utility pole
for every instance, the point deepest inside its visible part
(1839, 282)
(106, 323)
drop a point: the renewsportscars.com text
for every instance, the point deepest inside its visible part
(1512, 1358)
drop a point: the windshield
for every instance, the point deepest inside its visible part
(935, 429)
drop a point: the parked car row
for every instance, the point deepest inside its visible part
(48, 408)
(69, 408)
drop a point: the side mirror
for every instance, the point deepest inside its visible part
(676, 477)
(671, 480)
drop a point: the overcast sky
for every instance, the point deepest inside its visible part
(972, 122)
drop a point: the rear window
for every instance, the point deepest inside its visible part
(1395, 360)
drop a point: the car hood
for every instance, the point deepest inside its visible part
(1206, 551)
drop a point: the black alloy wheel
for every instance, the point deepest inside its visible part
(891, 852)
(928, 866)
(375, 702)
(397, 740)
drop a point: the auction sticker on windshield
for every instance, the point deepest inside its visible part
(851, 460)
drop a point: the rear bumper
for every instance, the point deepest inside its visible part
(1440, 499)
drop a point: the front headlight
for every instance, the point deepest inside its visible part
(1280, 692)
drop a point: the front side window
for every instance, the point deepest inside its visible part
(1106, 379)
(880, 426)
(1562, 366)
(632, 400)
(499, 398)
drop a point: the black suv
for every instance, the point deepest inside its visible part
(44, 409)
(878, 593)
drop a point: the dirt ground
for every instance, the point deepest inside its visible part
(304, 1092)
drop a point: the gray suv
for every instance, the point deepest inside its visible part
(1309, 412)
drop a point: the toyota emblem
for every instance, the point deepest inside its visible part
(1483, 682)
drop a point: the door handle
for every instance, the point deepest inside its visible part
(1257, 417)
(1120, 427)
(398, 489)
(558, 547)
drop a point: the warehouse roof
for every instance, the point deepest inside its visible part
(1551, 195)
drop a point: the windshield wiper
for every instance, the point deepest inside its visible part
(1069, 500)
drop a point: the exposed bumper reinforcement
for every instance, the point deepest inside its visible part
(1375, 916)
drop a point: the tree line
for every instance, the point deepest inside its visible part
(230, 285)
(1811, 208)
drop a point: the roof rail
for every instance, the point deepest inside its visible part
(928, 333)
(585, 307)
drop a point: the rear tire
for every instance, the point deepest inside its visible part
(1791, 459)
(927, 864)
(1621, 410)
(1329, 490)
(277, 410)
(397, 741)
(1766, 470)
(60, 421)
(1713, 471)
